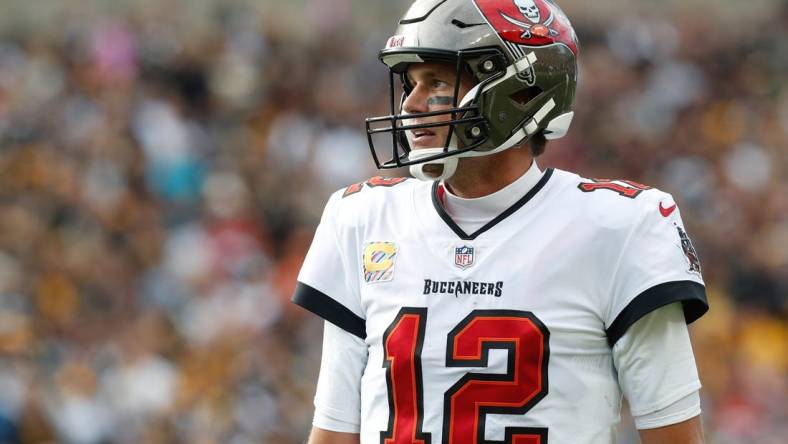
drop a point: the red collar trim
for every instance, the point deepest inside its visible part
(442, 194)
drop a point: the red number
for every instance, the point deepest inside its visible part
(353, 189)
(478, 394)
(385, 182)
(372, 183)
(626, 188)
(475, 395)
(402, 344)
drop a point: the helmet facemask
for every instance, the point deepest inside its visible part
(467, 128)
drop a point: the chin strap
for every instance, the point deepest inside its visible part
(440, 169)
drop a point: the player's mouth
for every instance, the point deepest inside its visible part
(424, 138)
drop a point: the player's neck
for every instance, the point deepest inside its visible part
(482, 176)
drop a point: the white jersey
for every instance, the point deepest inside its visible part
(504, 334)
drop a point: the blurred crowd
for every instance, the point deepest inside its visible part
(159, 187)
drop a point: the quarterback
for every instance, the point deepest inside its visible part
(489, 300)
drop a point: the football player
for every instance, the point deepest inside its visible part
(492, 301)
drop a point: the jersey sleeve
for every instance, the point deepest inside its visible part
(327, 283)
(658, 265)
(656, 369)
(338, 393)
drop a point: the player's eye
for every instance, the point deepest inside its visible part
(440, 84)
(433, 83)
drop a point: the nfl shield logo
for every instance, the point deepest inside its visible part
(463, 256)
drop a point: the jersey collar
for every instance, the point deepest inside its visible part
(477, 211)
(438, 195)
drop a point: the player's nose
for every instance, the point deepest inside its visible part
(415, 102)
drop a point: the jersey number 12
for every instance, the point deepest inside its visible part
(475, 395)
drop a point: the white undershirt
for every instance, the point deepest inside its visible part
(472, 214)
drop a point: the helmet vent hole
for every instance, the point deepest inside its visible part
(463, 25)
(524, 96)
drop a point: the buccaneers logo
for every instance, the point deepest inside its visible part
(529, 22)
(689, 251)
(530, 11)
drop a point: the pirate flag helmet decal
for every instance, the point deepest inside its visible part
(529, 22)
(522, 55)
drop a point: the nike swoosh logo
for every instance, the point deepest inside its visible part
(666, 211)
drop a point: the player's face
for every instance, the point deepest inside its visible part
(433, 90)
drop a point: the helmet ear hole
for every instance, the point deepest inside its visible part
(524, 96)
